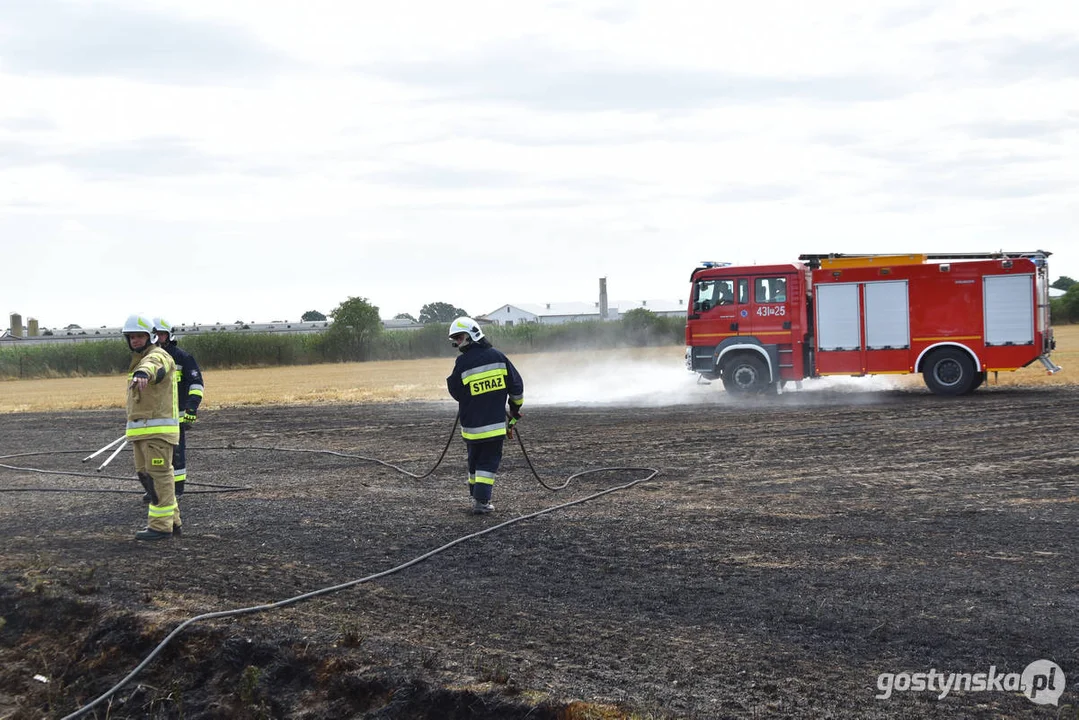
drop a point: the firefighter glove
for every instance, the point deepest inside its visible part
(179, 486)
(515, 412)
(189, 417)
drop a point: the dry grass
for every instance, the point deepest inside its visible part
(402, 380)
(303, 384)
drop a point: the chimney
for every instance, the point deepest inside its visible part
(603, 298)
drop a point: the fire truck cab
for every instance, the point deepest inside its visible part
(952, 318)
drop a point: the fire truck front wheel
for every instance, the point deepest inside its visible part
(745, 373)
(950, 371)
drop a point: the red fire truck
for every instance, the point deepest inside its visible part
(952, 318)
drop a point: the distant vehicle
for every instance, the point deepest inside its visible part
(952, 318)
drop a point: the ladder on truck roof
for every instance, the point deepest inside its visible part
(832, 260)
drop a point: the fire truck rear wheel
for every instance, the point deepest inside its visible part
(949, 371)
(745, 373)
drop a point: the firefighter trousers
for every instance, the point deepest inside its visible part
(484, 457)
(153, 457)
(179, 457)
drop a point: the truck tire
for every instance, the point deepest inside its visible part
(949, 371)
(744, 374)
(979, 380)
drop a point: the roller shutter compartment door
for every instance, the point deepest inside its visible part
(839, 324)
(887, 315)
(1009, 309)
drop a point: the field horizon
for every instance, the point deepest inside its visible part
(551, 377)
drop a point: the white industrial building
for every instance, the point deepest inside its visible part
(564, 312)
(556, 313)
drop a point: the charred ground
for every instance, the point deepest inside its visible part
(791, 550)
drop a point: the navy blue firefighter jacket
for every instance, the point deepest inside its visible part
(188, 377)
(482, 381)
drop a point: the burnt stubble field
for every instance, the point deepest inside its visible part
(790, 550)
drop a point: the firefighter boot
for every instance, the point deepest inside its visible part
(148, 534)
(481, 508)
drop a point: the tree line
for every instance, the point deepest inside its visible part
(1065, 309)
(442, 312)
(355, 335)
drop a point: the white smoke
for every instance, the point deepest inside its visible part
(658, 377)
(641, 383)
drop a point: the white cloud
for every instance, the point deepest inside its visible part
(280, 156)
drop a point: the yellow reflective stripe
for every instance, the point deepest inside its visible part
(142, 432)
(179, 476)
(178, 374)
(952, 337)
(484, 435)
(195, 390)
(483, 375)
(162, 510)
(517, 400)
(485, 480)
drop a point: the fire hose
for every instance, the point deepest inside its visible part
(513, 432)
(651, 473)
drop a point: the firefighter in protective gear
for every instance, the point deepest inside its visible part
(482, 382)
(189, 383)
(153, 426)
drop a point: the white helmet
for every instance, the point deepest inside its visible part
(466, 325)
(139, 324)
(161, 325)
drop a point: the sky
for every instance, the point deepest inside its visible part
(212, 161)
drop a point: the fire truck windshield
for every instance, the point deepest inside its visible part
(710, 293)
